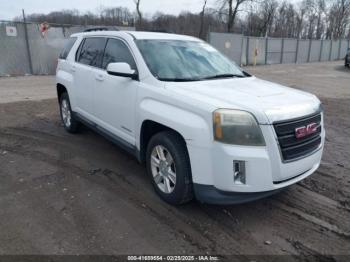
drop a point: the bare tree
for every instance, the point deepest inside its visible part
(139, 14)
(314, 11)
(310, 13)
(202, 14)
(285, 22)
(233, 9)
(339, 18)
(321, 10)
(300, 13)
(268, 11)
(307, 19)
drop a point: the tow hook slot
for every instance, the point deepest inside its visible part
(239, 174)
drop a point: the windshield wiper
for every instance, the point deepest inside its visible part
(178, 79)
(200, 79)
(222, 76)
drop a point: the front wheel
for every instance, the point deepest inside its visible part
(168, 165)
(67, 116)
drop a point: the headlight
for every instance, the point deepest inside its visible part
(237, 128)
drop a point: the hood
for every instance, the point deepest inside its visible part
(269, 102)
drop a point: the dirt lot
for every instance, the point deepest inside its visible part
(80, 194)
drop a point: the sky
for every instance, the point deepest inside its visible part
(12, 8)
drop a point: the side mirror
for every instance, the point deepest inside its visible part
(122, 69)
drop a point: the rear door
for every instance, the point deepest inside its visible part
(64, 65)
(88, 58)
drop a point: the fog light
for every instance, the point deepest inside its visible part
(239, 172)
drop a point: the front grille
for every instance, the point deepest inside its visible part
(292, 147)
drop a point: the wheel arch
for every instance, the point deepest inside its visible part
(150, 128)
(61, 89)
(155, 116)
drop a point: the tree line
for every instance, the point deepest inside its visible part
(306, 19)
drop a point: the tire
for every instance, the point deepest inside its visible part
(67, 116)
(167, 142)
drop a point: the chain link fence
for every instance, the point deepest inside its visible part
(27, 51)
(265, 51)
(31, 52)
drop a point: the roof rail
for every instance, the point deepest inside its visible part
(160, 31)
(92, 29)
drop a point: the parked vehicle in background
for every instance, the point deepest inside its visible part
(347, 58)
(204, 127)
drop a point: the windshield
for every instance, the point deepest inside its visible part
(175, 60)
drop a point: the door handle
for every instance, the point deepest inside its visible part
(99, 77)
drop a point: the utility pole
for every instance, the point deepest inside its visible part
(27, 43)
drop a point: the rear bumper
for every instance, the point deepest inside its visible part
(211, 195)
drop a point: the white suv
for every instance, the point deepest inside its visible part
(203, 126)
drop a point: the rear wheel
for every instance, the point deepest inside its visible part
(67, 116)
(168, 166)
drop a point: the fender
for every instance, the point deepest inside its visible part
(193, 127)
(66, 79)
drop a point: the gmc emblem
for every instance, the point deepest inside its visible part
(304, 131)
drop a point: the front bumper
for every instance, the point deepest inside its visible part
(266, 173)
(211, 195)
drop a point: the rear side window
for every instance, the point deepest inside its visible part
(91, 52)
(117, 52)
(67, 47)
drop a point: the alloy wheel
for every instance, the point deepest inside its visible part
(163, 169)
(66, 113)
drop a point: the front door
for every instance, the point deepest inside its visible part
(114, 96)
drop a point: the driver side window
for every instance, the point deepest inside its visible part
(117, 52)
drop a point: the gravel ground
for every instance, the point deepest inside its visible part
(80, 194)
(31, 88)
